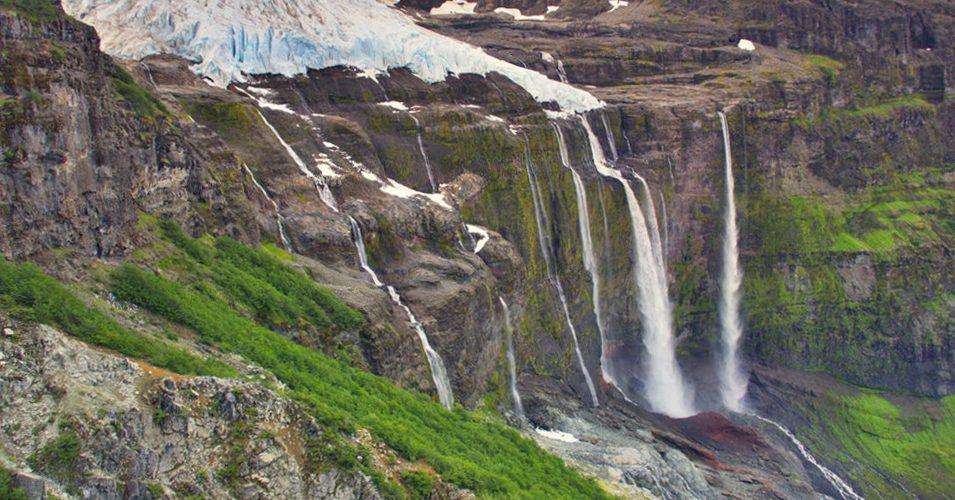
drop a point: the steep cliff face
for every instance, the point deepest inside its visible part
(844, 186)
(85, 147)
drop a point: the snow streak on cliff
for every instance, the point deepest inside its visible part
(229, 40)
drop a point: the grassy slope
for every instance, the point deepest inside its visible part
(465, 449)
(912, 448)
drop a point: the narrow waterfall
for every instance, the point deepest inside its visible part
(323, 190)
(652, 226)
(837, 482)
(666, 226)
(424, 154)
(546, 249)
(610, 140)
(664, 386)
(732, 380)
(278, 215)
(438, 371)
(590, 261)
(561, 73)
(511, 363)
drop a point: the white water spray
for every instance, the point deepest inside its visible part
(732, 380)
(511, 363)
(542, 223)
(278, 215)
(665, 389)
(424, 154)
(438, 372)
(837, 482)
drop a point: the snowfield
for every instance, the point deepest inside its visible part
(229, 40)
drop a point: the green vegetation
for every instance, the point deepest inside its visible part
(59, 457)
(144, 104)
(829, 67)
(7, 491)
(490, 459)
(27, 293)
(233, 120)
(419, 483)
(35, 11)
(913, 446)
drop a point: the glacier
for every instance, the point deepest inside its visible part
(228, 41)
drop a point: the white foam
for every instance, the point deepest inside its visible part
(562, 436)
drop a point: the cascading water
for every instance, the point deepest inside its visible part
(278, 215)
(541, 218)
(323, 190)
(732, 380)
(438, 371)
(424, 154)
(561, 72)
(590, 261)
(665, 389)
(837, 482)
(610, 140)
(511, 363)
(666, 226)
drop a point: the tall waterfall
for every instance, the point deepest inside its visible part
(665, 389)
(590, 261)
(837, 482)
(438, 372)
(424, 154)
(511, 363)
(323, 190)
(546, 249)
(732, 380)
(278, 215)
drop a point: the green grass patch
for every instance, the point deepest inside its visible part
(883, 109)
(35, 11)
(59, 457)
(915, 448)
(29, 294)
(828, 67)
(144, 104)
(490, 459)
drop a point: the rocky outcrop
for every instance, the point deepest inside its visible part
(98, 426)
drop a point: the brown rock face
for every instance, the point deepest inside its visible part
(82, 154)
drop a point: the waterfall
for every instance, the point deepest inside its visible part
(511, 364)
(275, 206)
(664, 386)
(424, 154)
(666, 226)
(561, 73)
(323, 190)
(610, 139)
(438, 371)
(732, 380)
(837, 482)
(590, 261)
(541, 218)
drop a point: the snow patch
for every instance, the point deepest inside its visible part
(399, 190)
(746, 45)
(452, 7)
(562, 436)
(483, 236)
(400, 106)
(231, 40)
(616, 4)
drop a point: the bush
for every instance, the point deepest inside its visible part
(419, 483)
(7, 491)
